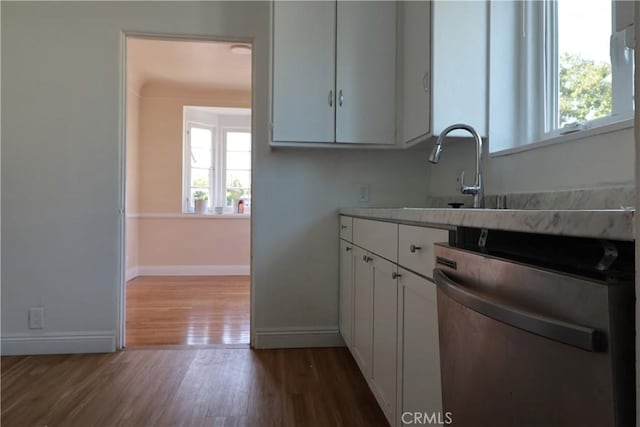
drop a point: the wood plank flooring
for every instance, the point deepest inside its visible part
(190, 310)
(188, 387)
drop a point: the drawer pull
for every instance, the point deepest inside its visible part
(413, 248)
(366, 258)
(395, 275)
(343, 226)
(348, 249)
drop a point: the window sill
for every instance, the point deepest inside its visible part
(582, 134)
(189, 216)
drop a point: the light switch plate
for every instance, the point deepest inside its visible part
(36, 318)
(363, 193)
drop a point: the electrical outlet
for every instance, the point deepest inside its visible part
(36, 318)
(363, 194)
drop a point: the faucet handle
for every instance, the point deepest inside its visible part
(467, 189)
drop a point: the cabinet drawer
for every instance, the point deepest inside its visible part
(346, 228)
(378, 237)
(415, 247)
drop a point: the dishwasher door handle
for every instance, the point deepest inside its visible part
(579, 336)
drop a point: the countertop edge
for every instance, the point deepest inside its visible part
(599, 224)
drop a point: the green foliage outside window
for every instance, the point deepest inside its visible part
(585, 89)
(235, 192)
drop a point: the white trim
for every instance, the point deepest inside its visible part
(59, 343)
(187, 168)
(121, 300)
(223, 177)
(121, 285)
(297, 337)
(131, 273)
(193, 270)
(586, 133)
(187, 216)
(228, 111)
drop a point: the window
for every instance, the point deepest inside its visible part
(200, 159)
(558, 67)
(588, 68)
(238, 166)
(217, 160)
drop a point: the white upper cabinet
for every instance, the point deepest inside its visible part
(303, 93)
(414, 71)
(366, 72)
(334, 72)
(460, 65)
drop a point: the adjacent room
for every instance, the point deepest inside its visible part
(188, 192)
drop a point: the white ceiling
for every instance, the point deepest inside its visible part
(209, 65)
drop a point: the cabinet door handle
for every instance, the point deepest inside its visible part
(331, 98)
(343, 226)
(348, 249)
(366, 258)
(425, 82)
(395, 275)
(340, 98)
(413, 248)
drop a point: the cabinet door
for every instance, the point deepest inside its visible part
(303, 95)
(419, 384)
(362, 307)
(414, 56)
(346, 291)
(366, 72)
(384, 345)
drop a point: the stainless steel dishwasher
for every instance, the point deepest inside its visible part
(538, 334)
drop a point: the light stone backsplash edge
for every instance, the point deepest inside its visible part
(591, 198)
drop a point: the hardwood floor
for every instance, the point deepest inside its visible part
(189, 310)
(188, 387)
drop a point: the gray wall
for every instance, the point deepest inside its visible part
(61, 104)
(599, 161)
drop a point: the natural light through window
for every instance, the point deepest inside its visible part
(584, 65)
(201, 143)
(238, 167)
(217, 160)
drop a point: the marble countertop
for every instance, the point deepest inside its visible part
(614, 224)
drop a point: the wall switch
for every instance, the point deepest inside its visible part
(363, 193)
(36, 318)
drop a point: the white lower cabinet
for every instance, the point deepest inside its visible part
(362, 309)
(346, 291)
(419, 384)
(389, 321)
(384, 333)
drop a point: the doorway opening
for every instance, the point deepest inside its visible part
(188, 192)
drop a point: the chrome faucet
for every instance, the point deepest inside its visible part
(477, 190)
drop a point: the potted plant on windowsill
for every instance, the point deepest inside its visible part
(200, 199)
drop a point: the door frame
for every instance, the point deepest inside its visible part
(121, 282)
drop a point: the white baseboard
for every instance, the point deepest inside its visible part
(190, 270)
(131, 273)
(97, 342)
(297, 338)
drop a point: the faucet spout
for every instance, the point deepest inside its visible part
(477, 188)
(435, 153)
